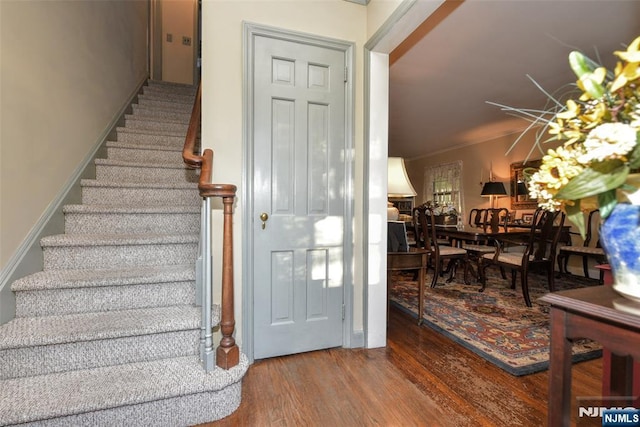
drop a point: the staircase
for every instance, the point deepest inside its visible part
(108, 333)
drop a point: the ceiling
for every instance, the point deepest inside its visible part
(471, 52)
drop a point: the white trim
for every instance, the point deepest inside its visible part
(402, 22)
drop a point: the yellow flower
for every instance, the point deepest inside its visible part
(631, 70)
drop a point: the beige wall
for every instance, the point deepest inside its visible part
(67, 68)
(477, 161)
(178, 18)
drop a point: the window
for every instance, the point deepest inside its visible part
(442, 185)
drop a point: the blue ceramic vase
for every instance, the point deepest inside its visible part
(620, 237)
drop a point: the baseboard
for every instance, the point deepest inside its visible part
(28, 257)
(357, 339)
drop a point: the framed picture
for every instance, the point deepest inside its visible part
(527, 218)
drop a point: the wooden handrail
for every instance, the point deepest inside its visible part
(189, 156)
(227, 353)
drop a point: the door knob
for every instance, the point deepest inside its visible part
(264, 217)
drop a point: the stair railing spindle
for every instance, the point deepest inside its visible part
(227, 354)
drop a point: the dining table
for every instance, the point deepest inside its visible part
(460, 234)
(467, 233)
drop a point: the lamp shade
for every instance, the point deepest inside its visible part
(492, 188)
(398, 184)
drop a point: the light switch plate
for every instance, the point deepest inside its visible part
(169, 37)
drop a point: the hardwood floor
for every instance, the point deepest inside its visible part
(420, 379)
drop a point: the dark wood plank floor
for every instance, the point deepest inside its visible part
(420, 379)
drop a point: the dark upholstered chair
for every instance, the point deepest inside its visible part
(539, 251)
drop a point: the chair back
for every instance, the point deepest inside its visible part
(495, 217)
(477, 217)
(426, 222)
(546, 229)
(417, 226)
(593, 224)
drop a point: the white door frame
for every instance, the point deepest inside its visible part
(402, 22)
(250, 31)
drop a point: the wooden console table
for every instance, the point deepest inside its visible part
(588, 313)
(415, 259)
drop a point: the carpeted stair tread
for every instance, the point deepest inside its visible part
(165, 105)
(153, 114)
(61, 240)
(152, 132)
(64, 279)
(158, 185)
(150, 139)
(159, 85)
(168, 96)
(182, 119)
(176, 164)
(48, 396)
(73, 328)
(181, 101)
(149, 147)
(154, 125)
(133, 209)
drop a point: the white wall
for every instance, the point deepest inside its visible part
(67, 68)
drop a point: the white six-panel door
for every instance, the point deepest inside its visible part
(298, 215)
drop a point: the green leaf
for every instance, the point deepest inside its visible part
(586, 75)
(607, 201)
(575, 215)
(594, 181)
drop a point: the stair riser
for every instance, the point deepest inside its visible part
(165, 105)
(169, 89)
(147, 139)
(150, 156)
(178, 411)
(167, 96)
(141, 113)
(155, 125)
(39, 360)
(133, 223)
(140, 196)
(145, 174)
(85, 257)
(99, 299)
(150, 113)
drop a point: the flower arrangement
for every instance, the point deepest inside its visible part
(600, 134)
(441, 209)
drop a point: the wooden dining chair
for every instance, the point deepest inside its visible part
(477, 217)
(590, 249)
(539, 252)
(491, 219)
(494, 218)
(439, 253)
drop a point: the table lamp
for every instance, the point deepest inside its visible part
(493, 189)
(398, 185)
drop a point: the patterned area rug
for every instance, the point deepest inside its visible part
(495, 324)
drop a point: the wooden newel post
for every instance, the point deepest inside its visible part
(227, 354)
